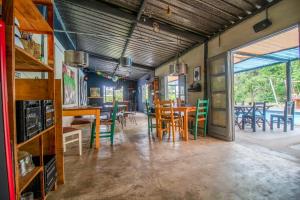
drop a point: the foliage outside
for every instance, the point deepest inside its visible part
(255, 86)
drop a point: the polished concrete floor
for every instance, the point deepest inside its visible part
(140, 167)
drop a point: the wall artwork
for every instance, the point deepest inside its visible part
(197, 73)
(95, 92)
(69, 85)
(82, 88)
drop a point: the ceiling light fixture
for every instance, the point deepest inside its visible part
(74, 58)
(156, 27)
(178, 67)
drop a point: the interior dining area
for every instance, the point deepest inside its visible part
(149, 99)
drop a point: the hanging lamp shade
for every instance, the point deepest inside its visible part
(76, 58)
(178, 68)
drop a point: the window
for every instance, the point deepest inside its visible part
(119, 94)
(145, 93)
(108, 94)
(173, 88)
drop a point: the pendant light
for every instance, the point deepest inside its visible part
(178, 67)
(126, 61)
(74, 58)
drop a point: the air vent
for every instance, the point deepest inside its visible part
(126, 62)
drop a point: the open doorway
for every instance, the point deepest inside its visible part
(266, 88)
(176, 88)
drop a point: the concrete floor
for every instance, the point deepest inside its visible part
(138, 167)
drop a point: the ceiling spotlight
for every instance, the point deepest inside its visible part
(155, 27)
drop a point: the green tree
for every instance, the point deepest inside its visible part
(255, 85)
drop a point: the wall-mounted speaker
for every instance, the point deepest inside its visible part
(262, 25)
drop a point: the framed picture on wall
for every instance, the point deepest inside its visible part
(82, 89)
(95, 92)
(69, 85)
(197, 73)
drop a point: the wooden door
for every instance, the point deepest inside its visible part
(220, 122)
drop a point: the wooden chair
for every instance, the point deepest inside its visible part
(200, 116)
(150, 117)
(68, 132)
(167, 121)
(287, 116)
(111, 123)
(256, 116)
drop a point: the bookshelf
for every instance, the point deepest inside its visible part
(44, 143)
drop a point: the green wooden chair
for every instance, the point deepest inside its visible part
(201, 115)
(150, 116)
(111, 123)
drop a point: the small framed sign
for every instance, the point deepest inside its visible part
(95, 92)
(197, 73)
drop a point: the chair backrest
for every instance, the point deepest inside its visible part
(259, 108)
(202, 108)
(164, 108)
(289, 108)
(179, 102)
(115, 111)
(148, 109)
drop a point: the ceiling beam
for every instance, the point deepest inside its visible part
(58, 16)
(115, 60)
(265, 56)
(131, 16)
(138, 17)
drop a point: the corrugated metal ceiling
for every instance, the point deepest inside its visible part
(103, 27)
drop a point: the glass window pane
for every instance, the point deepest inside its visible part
(217, 66)
(218, 83)
(219, 118)
(119, 95)
(219, 100)
(108, 95)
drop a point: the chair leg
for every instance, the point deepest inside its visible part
(80, 142)
(243, 123)
(196, 129)
(173, 130)
(92, 134)
(285, 125)
(292, 124)
(271, 123)
(149, 125)
(205, 126)
(64, 143)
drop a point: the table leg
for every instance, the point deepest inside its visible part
(185, 126)
(97, 132)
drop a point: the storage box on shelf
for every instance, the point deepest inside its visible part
(43, 143)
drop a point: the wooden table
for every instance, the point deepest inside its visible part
(185, 110)
(240, 110)
(79, 111)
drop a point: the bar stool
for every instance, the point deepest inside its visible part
(68, 132)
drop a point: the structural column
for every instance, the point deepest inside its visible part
(288, 81)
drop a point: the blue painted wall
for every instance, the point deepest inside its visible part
(96, 81)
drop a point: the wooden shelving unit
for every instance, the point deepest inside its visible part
(26, 62)
(44, 143)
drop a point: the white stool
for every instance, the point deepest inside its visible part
(69, 131)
